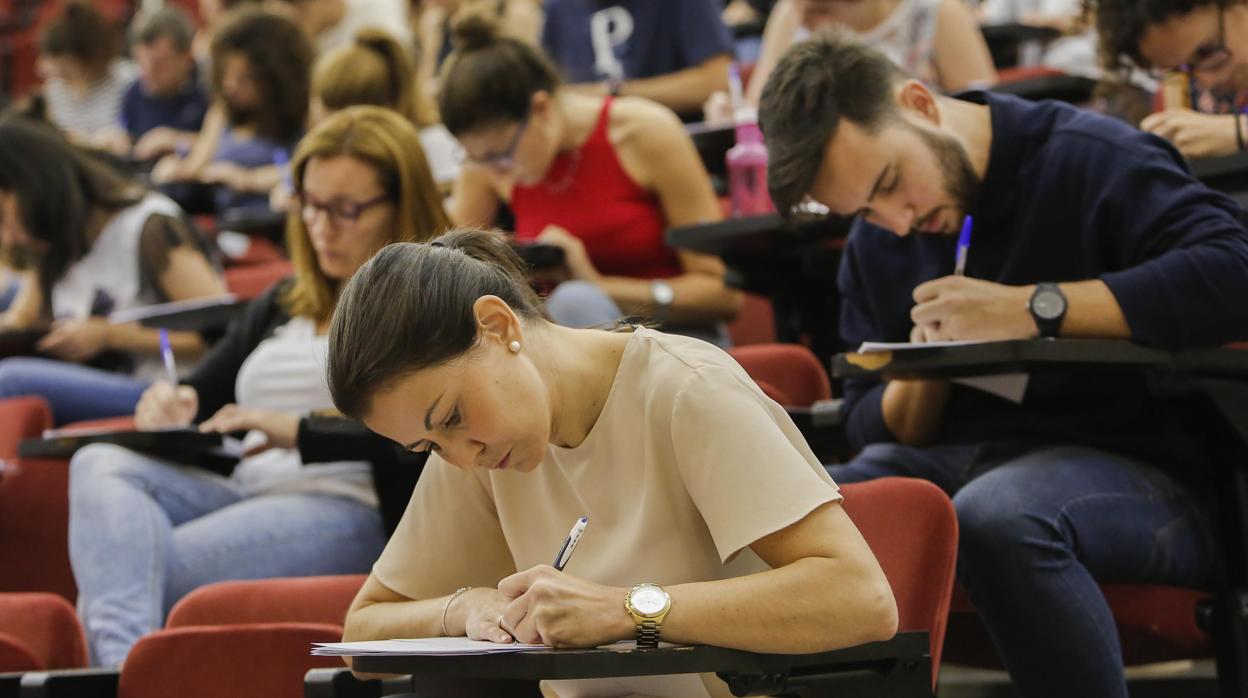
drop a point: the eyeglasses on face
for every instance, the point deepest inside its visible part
(341, 211)
(1209, 57)
(505, 158)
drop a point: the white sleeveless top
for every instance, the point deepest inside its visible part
(286, 373)
(111, 271)
(908, 37)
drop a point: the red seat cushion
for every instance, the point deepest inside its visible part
(46, 626)
(303, 599)
(267, 659)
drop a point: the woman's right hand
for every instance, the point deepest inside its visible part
(170, 168)
(165, 405)
(476, 613)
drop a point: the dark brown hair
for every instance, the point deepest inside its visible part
(490, 79)
(820, 81)
(411, 307)
(1121, 24)
(280, 56)
(82, 33)
(58, 187)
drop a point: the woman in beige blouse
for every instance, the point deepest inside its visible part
(695, 484)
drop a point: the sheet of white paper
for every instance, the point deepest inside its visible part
(1009, 386)
(419, 646)
(439, 646)
(875, 347)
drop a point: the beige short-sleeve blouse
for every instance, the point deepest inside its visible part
(688, 464)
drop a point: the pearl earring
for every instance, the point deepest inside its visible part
(514, 347)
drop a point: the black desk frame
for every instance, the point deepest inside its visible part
(897, 667)
(1219, 377)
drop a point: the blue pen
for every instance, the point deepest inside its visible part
(166, 352)
(964, 246)
(281, 158)
(569, 543)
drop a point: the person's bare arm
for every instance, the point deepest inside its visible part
(683, 91)
(782, 23)
(961, 53)
(474, 198)
(825, 591)
(25, 310)
(657, 153)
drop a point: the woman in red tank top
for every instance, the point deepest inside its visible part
(600, 178)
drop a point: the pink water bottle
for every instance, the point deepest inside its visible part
(747, 169)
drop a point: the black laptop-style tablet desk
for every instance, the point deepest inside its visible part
(792, 264)
(898, 667)
(1217, 378)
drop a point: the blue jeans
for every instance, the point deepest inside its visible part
(74, 391)
(143, 533)
(1038, 530)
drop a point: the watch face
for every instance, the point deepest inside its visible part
(1048, 305)
(649, 600)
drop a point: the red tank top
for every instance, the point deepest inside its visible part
(589, 194)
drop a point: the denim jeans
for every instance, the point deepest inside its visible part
(143, 533)
(75, 392)
(1038, 530)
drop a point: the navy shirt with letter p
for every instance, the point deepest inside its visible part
(593, 40)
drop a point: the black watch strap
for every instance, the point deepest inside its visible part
(1048, 322)
(647, 634)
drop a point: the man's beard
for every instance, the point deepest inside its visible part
(959, 180)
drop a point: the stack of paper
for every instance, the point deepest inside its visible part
(441, 646)
(434, 646)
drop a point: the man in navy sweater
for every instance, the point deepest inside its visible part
(1083, 227)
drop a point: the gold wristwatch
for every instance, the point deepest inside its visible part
(648, 604)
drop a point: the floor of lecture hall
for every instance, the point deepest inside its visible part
(1171, 679)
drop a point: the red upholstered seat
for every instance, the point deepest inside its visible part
(790, 369)
(912, 528)
(265, 659)
(34, 506)
(39, 630)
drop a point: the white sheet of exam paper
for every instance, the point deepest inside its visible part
(436, 646)
(670, 686)
(1008, 386)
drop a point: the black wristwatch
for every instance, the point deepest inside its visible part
(1048, 308)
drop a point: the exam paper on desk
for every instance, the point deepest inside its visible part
(671, 686)
(1008, 386)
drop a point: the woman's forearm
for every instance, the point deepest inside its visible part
(136, 339)
(810, 605)
(697, 297)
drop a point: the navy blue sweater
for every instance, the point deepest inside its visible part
(1069, 195)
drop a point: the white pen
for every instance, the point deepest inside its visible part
(569, 543)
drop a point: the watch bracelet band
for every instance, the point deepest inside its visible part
(648, 634)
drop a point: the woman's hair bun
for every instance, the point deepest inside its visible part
(475, 27)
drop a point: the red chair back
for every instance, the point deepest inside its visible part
(45, 626)
(15, 656)
(297, 599)
(755, 322)
(912, 528)
(268, 659)
(34, 507)
(790, 369)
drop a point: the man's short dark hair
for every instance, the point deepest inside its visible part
(1121, 24)
(167, 21)
(829, 77)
